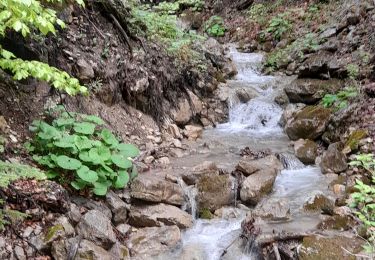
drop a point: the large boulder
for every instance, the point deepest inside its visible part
(306, 150)
(215, 191)
(319, 202)
(330, 247)
(334, 160)
(159, 215)
(193, 132)
(248, 167)
(257, 185)
(95, 226)
(289, 112)
(310, 91)
(152, 241)
(309, 123)
(206, 168)
(153, 189)
(273, 209)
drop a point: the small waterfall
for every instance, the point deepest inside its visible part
(191, 193)
(290, 161)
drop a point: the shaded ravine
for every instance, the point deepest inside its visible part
(252, 124)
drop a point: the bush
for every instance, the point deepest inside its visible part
(77, 149)
(339, 100)
(364, 199)
(215, 26)
(279, 25)
(28, 17)
(353, 70)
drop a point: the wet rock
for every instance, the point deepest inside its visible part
(337, 222)
(310, 91)
(215, 191)
(151, 241)
(193, 132)
(309, 123)
(205, 168)
(333, 160)
(257, 185)
(320, 202)
(159, 215)
(248, 167)
(289, 112)
(117, 206)
(96, 227)
(306, 151)
(85, 70)
(153, 189)
(119, 252)
(228, 213)
(273, 209)
(282, 99)
(330, 247)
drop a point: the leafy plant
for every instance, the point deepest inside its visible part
(279, 25)
(175, 7)
(215, 26)
(339, 100)
(258, 12)
(28, 17)
(353, 70)
(364, 199)
(76, 148)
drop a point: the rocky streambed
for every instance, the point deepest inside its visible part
(241, 191)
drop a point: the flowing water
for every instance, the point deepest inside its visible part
(253, 124)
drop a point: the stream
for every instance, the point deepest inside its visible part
(252, 124)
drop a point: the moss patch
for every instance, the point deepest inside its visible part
(205, 214)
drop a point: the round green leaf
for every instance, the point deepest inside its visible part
(94, 156)
(63, 122)
(121, 161)
(93, 119)
(87, 175)
(78, 184)
(65, 142)
(68, 163)
(108, 137)
(128, 150)
(82, 143)
(104, 153)
(100, 188)
(84, 156)
(84, 128)
(121, 180)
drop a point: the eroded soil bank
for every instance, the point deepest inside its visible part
(239, 160)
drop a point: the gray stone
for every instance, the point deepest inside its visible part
(117, 206)
(334, 160)
(88, 250)
(153, 189)
(328, 33)
(257, 185)
(151, 241)
(159, 215)
(248, 167)
(119, 252)
(64, 222)
(193, 132)
(20, 253)
(124, 228)
(85, 70)
(289, 112)
(273, 209)
(207, 167)
(306, 150)
(74, 213)
(320, 202)
(96, 227)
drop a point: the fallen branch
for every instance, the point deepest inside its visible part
(126, 38)
(265, 240)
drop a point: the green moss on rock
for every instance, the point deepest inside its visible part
(354, 138)
(206, 214)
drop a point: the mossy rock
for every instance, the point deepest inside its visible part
(54, 232)
(354, 138)
(317, 247)
(205, 214)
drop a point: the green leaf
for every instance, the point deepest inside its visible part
(104, 153)
(68, 163)
(128, 150)
(100, 188)
(93, 119)
(121, 161)
(84, 128)
(66, 142)
(52, 174)
(121, 180)
(78, 184)
(87, 175)
(84, 156)
(95, 156)
(64, 122)
(82, 143)
(109, 138)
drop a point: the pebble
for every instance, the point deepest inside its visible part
(149, 159)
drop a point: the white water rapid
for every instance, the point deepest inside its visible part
(253, 124)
